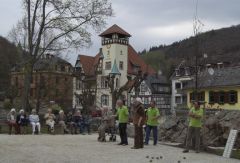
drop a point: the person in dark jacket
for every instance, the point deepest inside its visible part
(138, 121)
(22, 121)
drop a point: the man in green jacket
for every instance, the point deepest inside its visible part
(122, 114)
(152, 123)
(195, 125)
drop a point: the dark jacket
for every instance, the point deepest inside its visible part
(22, 120)
(138, 111)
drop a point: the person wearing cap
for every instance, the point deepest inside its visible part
(22, 122)
(138, 121)
(152, 115)
(195, 124)
(123, 115)
(11, 120)
(34, 121)
(50, 120)
(62, 121)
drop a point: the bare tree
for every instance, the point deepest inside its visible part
(50, 25)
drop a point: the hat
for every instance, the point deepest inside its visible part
(34, 111)
(21, 111)
(61, 111)
(13, 110)
(138, 99)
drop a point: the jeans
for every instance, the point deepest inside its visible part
(155, 134)
(123, 133)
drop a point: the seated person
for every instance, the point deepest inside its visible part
(61, 120)
(11, 121)
(108, 121)
(22, 122)
(34, 121)
(50, 117)
(77, 120)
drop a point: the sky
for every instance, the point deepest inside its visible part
(150, 22)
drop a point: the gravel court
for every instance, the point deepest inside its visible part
(86, 149)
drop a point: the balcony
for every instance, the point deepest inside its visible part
(115, 41)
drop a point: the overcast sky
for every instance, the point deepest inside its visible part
(150, 22)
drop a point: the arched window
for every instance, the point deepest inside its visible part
(105, 100)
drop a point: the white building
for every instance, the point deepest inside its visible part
(116, 56)
(179, 80)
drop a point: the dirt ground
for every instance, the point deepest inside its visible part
(86, 149)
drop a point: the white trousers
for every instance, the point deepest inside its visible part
(34, 124)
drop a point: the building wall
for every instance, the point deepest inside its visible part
(54, 86)
(216, 105)
(119, 53)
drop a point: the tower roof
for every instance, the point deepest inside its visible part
(115, 70)
(115, 29)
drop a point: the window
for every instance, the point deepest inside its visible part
(63, 68)
(221, 98)
(108, 65)
(104, 82)
(233, 97)
(105, 100)
(211, 97)
(200, 95)
(178, 85)
(57, 80)
(121, 52)
(187, 71)
(108, 54)
(178, 99)
(16, 81)
(78, 84)
(177, 71)
(121, 65)
(57, 93)
(117, 83)
(143, 88)
(146, 100)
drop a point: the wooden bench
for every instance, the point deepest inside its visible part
(58, 129)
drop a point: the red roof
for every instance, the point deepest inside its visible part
(89, 63)
(115, 29)
(135, 60)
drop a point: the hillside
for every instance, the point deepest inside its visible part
(8, 57)
(220, 45)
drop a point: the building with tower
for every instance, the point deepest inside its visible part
(112, 73)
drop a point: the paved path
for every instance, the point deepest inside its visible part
(85, 149)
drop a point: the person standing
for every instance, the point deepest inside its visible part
(152, 115)
(122, 114)
(34, 121)
(195, 125)
(11, 120)
(138, 121)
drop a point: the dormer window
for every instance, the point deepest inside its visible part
(177, 71)
(187, 71)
